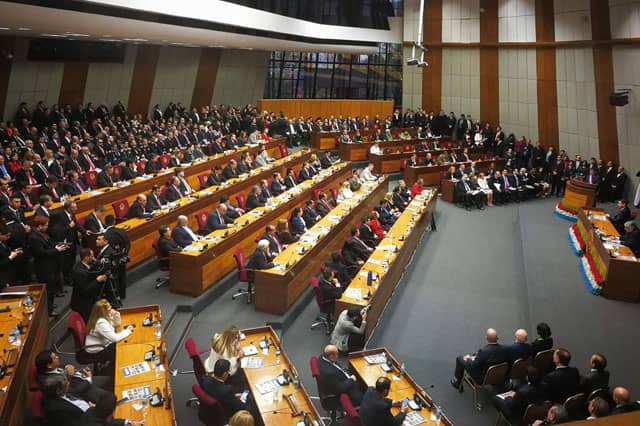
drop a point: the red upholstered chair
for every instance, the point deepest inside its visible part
(91, 178)
(81, 221)
(117, 170)
(202, 179)
(352, 417)
(403, 164)
(326, 307)
(329, 402)
(164, 160)
(284, 151)
(295, 174)
(163, 265)
(32, 380)
(201, 218)
(334, 194)
(37, 411)
(140, 165)
(242, 201)
(316, 193)
(244, 275)
(210, 411)
(121, 209)
(78, 329)
(198, 366)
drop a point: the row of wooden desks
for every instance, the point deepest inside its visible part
(279, 287)
(359, 151)
(330, 140)
(139, 379)
(205, 262)
(18, 355)
(143, 232)
(431, 175)
(284, 405)
(394, 162)
(105, 196)
(367, 366)
(616, 264)
(388, 261)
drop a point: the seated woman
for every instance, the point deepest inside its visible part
(375, 149)
(226, 345)
(484, 187)
(375, 225)
(101, 329)
(298, 227)
(348, 333)
(358, 137)
(284, 236)
(345, 192)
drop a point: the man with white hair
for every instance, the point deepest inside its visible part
(260, 258)
(182, 234)
(367, 173)
(631, 237)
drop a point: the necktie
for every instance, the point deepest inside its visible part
(91, 166)
(278, 244)
(506, 182)
(27, 201)
(4, 171)
(79, 187)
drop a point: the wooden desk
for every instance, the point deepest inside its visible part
(392, 162)
(359, 151)
(402, 386)
(629, 419)
(275, 413)
(431, 174)
(15, 402)
(405, 235)
(142, 232)
(105, 196)
(578, 194)
(329, 140)
(192, 272)
(620, 273)
(131, 351)
(279, 287)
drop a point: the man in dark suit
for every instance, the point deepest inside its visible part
(398, 200)
(519, 349)
(304, 173)
(366, 233)
(375, 409)
(153, 165)
(621, 217)
(513, 404)
(322, 206)
(336, 379)
(231, 170)
(138, 208)
(87, 285)
(50, 188)
(476, 365)
(468, 195)
(309, 214)
(182, 234)
(593, 177)
(342, 273)
(275, 247)
(253, 199)
(7, 255)
(260, 259)
(564, 381)
(59, 406)
(218, 219)
(27, 199)
(155, 200)
(623, 403)
(233, 212)
(216, 177)
(173, 192)
(106, 178)
(166, 244)
(631, 237)
(265, 192)
(597, 377)
(73, 185)
(357, 246)
(290, 180)
(223, 393)
(93, 222)
(277, 185)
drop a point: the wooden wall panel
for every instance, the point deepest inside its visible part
(327, 107)
(74, 80)
(144, 72)
(489, 64)
(206, 77)
(432, 75)
(548, 132)
(7, 44)
(603, 73)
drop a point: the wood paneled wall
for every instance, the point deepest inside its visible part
(327, 107)
(489, 63)
(546, 75)
(206, 76)
(7, 44)
(144, 73)
(74, 80)
(432, 75)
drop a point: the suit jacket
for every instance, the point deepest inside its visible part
(289, 182)
(490, 354)
(594, 379)
(137, 211)
(253, 201)
(367, 235)
(632, 240)
(172, 193)
(621, 217)
(277, 188)
(215, 220)
(214, 179)
(181, 236)
(333, 379)
(259, 260)
(230, 173)
(329, 291)
(298, 225)
(127, 173)
(152, 167)
(70, 188)
(540, 345)
(525, 395)
(224, 394)
(322, 207)
(44, 255)
(304, 174)
(562, 383)
(154, 203)
(166, 246)
(92, 223)
(627, 408)
(309, 216)
(86, 290)
(45, 190)
(358, 248)
(59, 411)
(517, 350)
(375, 410)
(274, 249)
(105, 180)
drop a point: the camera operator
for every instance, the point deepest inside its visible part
(87, 285)
(118, 239)
(108, 262)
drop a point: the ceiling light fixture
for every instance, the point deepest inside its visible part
(24, 29)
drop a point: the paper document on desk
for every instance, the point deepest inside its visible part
(249, 350)
(599, 217)
(375, 262)
(380, 358)
(631, 258)
(268, 386)
(135, 369)
(333, 218)
(387, 248)
(134, 394)
(191, 248)
(414, 418)
(94, 193)
(252, 362)
(353, 293)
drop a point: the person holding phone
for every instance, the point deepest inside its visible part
(375, 409)
(348, 333)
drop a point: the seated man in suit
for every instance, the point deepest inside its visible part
(218, 219)
(152, 166)
(216, 386)
(138, 208)
(59, 406)
(597, 377)
(277, 185)
(476, 365)
(631, 237)
(309, 214)
(290, 179)
(233, 212)
(305, 172)
(106, 178)
(129, 171)
(622, 400)
(357, 246)
(173, 192)
(182, 234)
(93, 222)
(564, 381)
(513, 403)
(51, 188)
(298, 225)
(265, 192)
(330, 285)
(74, 185)
(275, 246)
(322, 205)
(557, 414)
(335, 378)
(468, 195)
(375, 409)
(216, 177)
(155, 200)
(166, 245)
(621, 217)
(231, 170)
(260, 259)
(519, 349)
(342, 273)
(253, 199)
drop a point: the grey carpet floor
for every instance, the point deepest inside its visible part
(506, 267)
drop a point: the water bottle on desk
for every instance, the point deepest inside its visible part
(438, 415)
(158, 331)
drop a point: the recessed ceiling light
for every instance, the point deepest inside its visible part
(53, 35)
(107, 35)
(109, 39)
(134, 39)
(4, 28)
(24, 29)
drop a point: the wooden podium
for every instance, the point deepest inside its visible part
(578, 194)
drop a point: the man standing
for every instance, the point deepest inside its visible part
(87, 286)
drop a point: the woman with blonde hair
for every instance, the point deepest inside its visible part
(102, 327)
(225, 345)
(241, 418)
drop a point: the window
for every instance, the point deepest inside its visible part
(304, 75)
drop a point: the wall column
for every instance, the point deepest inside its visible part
(489, 63)
(144, 72)
(432, 75)
(546, 76)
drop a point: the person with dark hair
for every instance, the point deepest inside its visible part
(87, 285)
(309, 214)
(342, 273)
(512, 404)
(253, 199)
(44, 205)
(155, 199)
(564, 381)
(93, 222)
(544, 341)
(631, 237)
(621, 217)
(7, 255)
(356, 246)
(166, 245)
(223, 393)
(59, 407)
(375, 409)
(348, 333)
(233, 212)
(298, 225)
(597, 377)
(322, 205)
(102, 414)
